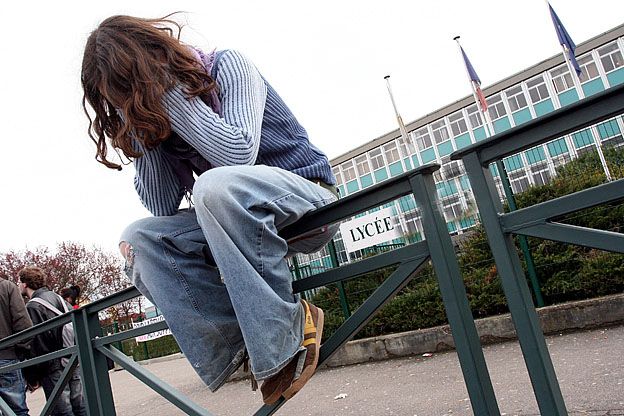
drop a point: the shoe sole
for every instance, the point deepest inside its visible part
(307, 373)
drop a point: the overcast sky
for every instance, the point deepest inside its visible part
(327, 59)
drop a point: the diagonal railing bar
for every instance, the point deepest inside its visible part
(361, 267)
(40, 359)
(574, 234)
(554, 208)
(60, 386)
(35, 330)
(573, 117)
(131, 333)
(5, 409)
(174, 396)
(391, 286)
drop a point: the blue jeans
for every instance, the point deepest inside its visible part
(13, 389)
(71, 402)
(218, 272)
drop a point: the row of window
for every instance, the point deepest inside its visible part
(459, 123)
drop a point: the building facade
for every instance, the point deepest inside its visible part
(517, 99)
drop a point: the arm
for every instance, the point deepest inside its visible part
(19, 316)
(235, 138)
(156, 183)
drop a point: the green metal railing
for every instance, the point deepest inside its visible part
(92, 348)
(540, 221)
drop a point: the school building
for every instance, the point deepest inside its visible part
(533, 92)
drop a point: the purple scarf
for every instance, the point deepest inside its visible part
(207, 61)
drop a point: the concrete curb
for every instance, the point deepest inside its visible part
(566, 317)
(572, 316)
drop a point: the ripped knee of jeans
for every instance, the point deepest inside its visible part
(127, 252)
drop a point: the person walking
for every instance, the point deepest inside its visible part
(13, 319)
(70, 402)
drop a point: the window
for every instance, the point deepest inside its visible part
(391, 152)
(423, 139)
(452, 207)
(540, 173)
(440, 133)
(413, 223)
(562, 79)
(537, 89)
(458, 124)
(611, 57)
(474, 115)
(376, 159)
(496, 108)
(516, 98)
(337, 175)
(348, 171)
(519, 181)
(407, 146)
(451, 169)
(589, 70)
(362, 165)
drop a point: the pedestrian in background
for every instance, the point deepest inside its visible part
(13, 319)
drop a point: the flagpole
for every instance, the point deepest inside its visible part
(524, 245)
(489, 127)
(567, 58)
(396, 112)
(402, 128)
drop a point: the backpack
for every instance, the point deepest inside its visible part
(68, 329)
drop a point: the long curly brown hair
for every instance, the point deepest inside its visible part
(128, 64)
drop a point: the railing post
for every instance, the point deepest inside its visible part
(98, 394)
(453, 292)
(524, 316)
(333, 256)
(524, 243)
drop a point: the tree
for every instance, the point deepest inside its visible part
(98, 273)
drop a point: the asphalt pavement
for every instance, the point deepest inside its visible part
(589, 366)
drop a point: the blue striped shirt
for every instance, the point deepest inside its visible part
(255, 128)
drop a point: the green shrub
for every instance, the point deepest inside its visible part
(565, 272)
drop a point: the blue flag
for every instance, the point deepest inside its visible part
(471, 71)
(565, 39)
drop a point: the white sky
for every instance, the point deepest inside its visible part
(327, 59)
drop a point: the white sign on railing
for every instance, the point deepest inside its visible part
(369, 230)
(151, 335)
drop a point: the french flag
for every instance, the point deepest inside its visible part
(476, 82)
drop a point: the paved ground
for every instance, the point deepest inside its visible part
(590, 367)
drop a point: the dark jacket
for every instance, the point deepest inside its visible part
(48, 341)
(13, 317)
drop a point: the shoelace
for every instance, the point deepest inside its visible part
(246, 369)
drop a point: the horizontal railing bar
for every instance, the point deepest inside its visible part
(149, 379)
(131, 333)
(363, 200)
(587, 198)
(111, 300)
(40, 359)
(573, 234)
(36, 330)
(352, 270)
(573, 117)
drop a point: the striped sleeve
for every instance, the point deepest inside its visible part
(156, 183)
(234, 137)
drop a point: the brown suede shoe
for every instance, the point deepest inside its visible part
(286, 383)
